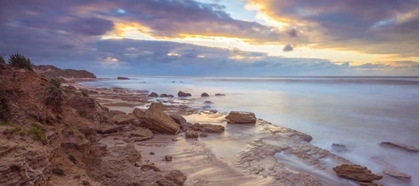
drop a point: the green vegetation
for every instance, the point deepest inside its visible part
(37, 133)
(5, 111)
(58, 171)
(20, 61)
(72, 159)
(81, 113)
(16, 128)
(85, 94)
(54, 98)
(86, 183)
(56, 82)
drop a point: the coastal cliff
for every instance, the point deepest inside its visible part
(52, 71)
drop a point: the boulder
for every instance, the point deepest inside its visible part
(401, 146)
(168, 158)
(396, 174)
(356, 172)
(138, 113)
(204, 95)
(208, 128)
(178, 119)
(177, 177)
(153, 95)
(208, 102)
(106, 129)
(163, 95)
(183, 94)
(121, 119)
(241, 117)
(218, 94)
(170, 96)
(157, 120)
(141, 134)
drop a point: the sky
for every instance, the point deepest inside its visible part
(216, 37)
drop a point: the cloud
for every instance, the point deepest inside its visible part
(288, 48)
(373, 26)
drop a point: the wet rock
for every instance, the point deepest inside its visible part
(153, 95)
(203, 134)
(241, 117)
(157, 120)
(204, 95)
(152, 153)
(356, 172)
(183, 94)
(121, 119)
(106, 129)
(168, 158)
(177, 177)
(208, 128)
(339, 147)
(170, 96)
(208, 102)
(163, 95)
(178, 119)
(402, 146)
(191, 134)
(396, 174)
(123, 78)
(218, 94)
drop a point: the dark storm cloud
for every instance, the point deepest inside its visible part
(373, 26)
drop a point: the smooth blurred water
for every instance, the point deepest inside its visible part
(358, 112)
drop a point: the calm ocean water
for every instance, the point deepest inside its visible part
(358, 112)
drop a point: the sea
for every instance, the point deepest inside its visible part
(358, 112)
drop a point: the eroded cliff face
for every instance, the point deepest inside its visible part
(48, 137)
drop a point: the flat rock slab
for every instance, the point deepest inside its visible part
(396, 174)
(208, 128)
(356, 172)
(106, 129)
(241, 117)
(123, 119)
(402, 146)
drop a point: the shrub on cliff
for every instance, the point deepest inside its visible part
(56, 82)
(54, 99)
(37, 133)
(20, 61)
(5, 112)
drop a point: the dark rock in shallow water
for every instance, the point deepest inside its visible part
(204, 95)
(339, 147)
(208, 102)
(399, 175)
(356, 172)
(163, 95)
(402, 146)
(123, 78)
(153, 95)
(170, 96)
(183, 94)
(218, 94)
(241, 117)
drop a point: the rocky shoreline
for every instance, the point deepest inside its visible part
(256, 162)
(69, 134)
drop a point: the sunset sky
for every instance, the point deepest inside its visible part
(216, 37)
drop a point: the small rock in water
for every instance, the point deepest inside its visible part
(208, 102)
(339, 147)
(356, 172)
(152, 153)
(168, 158)
(204, 95)
(174, 139)
(153, 95)
(402, 146)
(396, 174)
